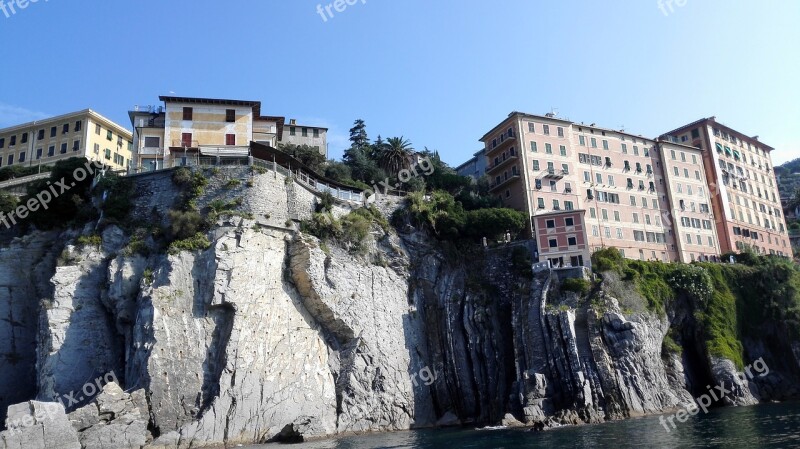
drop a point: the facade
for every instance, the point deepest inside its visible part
(744, 195)
(186, 129)
(313, 136)
(78, 134)
(691, 216)
(475, 167)
(618, 189)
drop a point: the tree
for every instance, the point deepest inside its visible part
(396, 155)
(309, 156)
(358, 135)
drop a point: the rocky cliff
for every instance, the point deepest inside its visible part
(272, 334)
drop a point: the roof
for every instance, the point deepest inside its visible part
(713, 120)
(83, 112)
(521, 114)
(256, 105)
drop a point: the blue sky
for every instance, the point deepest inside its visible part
(440, 73)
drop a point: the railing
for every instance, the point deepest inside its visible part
(185, 143)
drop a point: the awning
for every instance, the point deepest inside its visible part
(719, 147)
(727, 151)
(736, 154)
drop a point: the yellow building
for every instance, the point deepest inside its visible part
(78, 134)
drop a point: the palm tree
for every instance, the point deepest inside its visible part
(396, 155)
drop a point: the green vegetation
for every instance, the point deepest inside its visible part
(147, 275)
(576, 285)
(90, 240)
(8, 202)
(118, 193)
(729, 301)
(197, 242)
(233, 183)
(68, 207)
(447, 219)
(19, 171)
(351, 231)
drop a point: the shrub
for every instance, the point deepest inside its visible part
(182, 177)
(197, 242)
(325, 202)
(118, 192)
(576, 285)
(147, 275)
(8, 202)
(184, 224)
(607, 259)
(233, 183)
(90, 240)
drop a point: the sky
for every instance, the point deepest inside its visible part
(439, 73)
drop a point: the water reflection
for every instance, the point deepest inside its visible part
(763, 426)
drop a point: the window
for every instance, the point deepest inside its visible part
(533, 147)
(10, 159)
(599, 177)
(531, 127)
(76, 144)
(611, 180)
(553, 243)
(594, 142)
(51, 150)
(605, 144)
(64, 148)
(40, 134)
(551, 224)
(587, 177)
(572, 241)
(78, 125)
(565, 168)
(65, 128)
(540, 203)
(305, 132)
(548, 148)
(562, 149)
(635, 150)
(292, 131)
(555, 205)
(22, 156)
(2, 142)
(624, 148)
(53, 131)
(605, 214)
(546, 130)
(633, 201)
(316, 132)
(230, 139)
(230, 115)
(616, 215)
(536, 165)
(568, 205)
(186, 139)
(582, 141)
(635, 217)
(187, 114)
(619, 233)
(24, 139)
(592, 213)
(569, 221)
(151, 142)
(38, 153)
(108, 154)
(13, 141)
(109, 135)
(595, 231)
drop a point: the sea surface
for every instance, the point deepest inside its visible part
(760, 426)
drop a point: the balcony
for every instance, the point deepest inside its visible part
(504, 182)
(501, 145)
(151, 151)
(502, 164)
(552, 173)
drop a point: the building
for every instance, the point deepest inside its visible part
(475, 167)
(186, 129)
(78, 134)
(689, 202)
(313, 136)
(744, 194)
(586, 187)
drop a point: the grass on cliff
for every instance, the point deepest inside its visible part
(351, 231)
(728, 301)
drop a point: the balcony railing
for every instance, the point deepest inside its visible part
(185, 143)
(503, 182)
(502, 163)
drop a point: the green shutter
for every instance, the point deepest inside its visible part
(719, 147)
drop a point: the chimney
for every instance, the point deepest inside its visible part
(292, 121)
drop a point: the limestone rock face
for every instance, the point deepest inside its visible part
(364, 309)
(38, 425)
(225, 349)
(114, 420)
